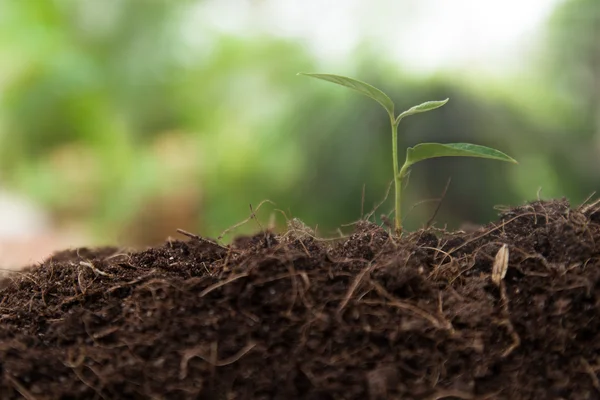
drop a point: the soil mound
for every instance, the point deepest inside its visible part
(290, 316)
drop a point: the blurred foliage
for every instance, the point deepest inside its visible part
(574, 59)
(134, 121)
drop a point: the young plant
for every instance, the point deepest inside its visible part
(421, 151)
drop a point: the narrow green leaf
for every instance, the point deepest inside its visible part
(425, 151)
(359, 86)
(423, 107)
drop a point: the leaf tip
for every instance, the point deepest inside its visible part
(441, 103)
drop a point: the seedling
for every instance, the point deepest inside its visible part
(421, 151)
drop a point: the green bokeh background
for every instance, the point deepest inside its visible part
(113, 121)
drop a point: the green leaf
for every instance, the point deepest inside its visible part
(425, 151)
(424, 107)
(362, 87)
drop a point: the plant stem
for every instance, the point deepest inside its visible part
(397, 177)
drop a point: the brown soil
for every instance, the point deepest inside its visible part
(289, 316)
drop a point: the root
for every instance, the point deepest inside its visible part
(220, 284)
(506, 322)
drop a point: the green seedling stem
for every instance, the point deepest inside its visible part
(419, 152)
(397, 177)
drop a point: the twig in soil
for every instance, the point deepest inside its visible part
(585, 210)
(440, 304)
(88, 384)
(473, 256)
(438, 268)
(488, 232)
(582, 221)
(82, 288)
(96, 270)
(438, 250)
(299, 229)
(212, 359)
(265, 233)
(225, 267)
(276, 278)
(225, 282)
(127, 255)
(353, 287)
(438, 322)
(580, 208)
(20, 388)
(409, 307)
(189, 234)
(295, 224)
(132, 282)
(252, 215)
(591, 372)
(75, 364)
(25, 275)
(192, 236)
(235, 357)
(529, 256)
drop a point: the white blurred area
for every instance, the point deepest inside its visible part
(423, 36)
(21, 218)
(27, 235)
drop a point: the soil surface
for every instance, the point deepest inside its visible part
(367, 316)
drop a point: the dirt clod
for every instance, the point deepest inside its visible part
(368, 316)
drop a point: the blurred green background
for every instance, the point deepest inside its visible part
(123, 120)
